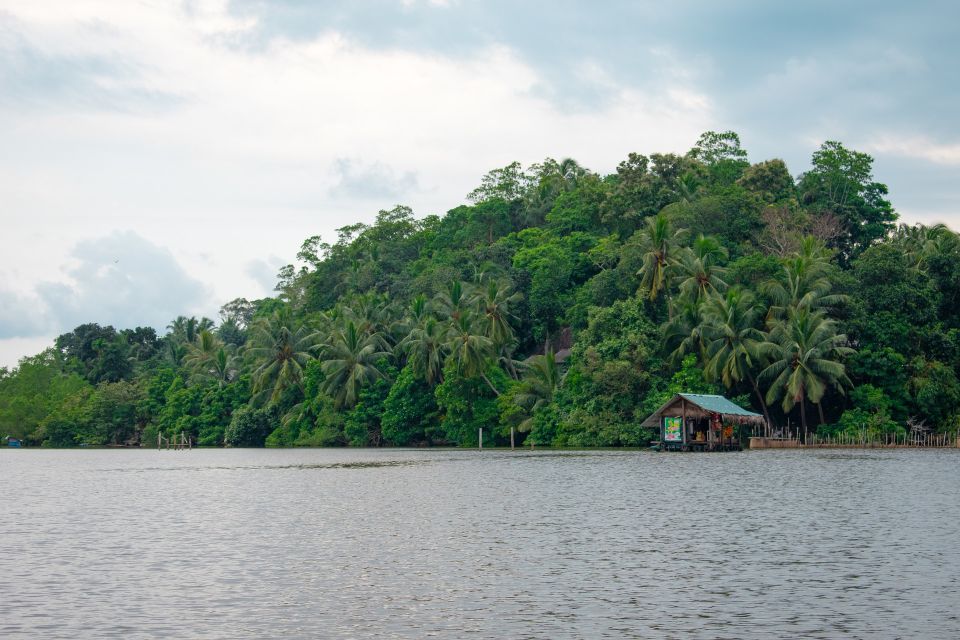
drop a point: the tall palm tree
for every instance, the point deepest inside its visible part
(688, 188)
(372, 313)
(469, 348)
(806, 361)
(210, 358)
(418, 312)
(223, 368)
(699, 273)
(920, 243)
(176, 351)
(735, 348)
(495, 301)
(455, 300)
(558, 177)
(660, 243)
(280, 350)
(350, 361)
(682, 333)
(803, 282)
(425, 347)
(184, 329)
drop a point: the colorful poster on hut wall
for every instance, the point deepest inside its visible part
(673, 430)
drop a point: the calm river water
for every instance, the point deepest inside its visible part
(414, 543)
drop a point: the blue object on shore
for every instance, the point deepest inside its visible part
(13, 442)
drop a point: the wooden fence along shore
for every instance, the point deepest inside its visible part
(847, 441)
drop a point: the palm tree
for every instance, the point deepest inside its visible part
(280, 350)
(175, 350)
(688, 187)
(210, 358)
(223, 368)
(698, 269)
(495, 302)
(806, 361)
(920, 243)
(735, 347)
(804, 281)
(424, 346)
(659, 243)
(372, 313)
(455, 300)
(184, 329)
(558, 177)
(682, 333)
(419, 312)
(469, 348)
(350, 361)
(540, 380)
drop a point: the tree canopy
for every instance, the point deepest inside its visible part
(559, 305)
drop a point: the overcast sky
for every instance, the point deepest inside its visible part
(161, 158)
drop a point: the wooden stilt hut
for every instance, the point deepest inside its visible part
(698, 422)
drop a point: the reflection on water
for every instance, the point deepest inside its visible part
(414, 543)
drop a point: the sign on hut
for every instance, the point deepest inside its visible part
(697, 422)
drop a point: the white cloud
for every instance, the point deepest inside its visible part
(362, 181)
(12, 349)
(121, 279)
(124, 280)
(264, 273)
(917, 147)
(21, 315)
(241, 155)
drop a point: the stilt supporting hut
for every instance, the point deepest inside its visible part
(697, 422)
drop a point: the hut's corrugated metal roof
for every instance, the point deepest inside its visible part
(711, 403)
(718, 404)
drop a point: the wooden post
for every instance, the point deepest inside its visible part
(480, 438)
(683, 413)
(511, 437)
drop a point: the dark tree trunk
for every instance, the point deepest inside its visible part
(763, 404)
(803, 417)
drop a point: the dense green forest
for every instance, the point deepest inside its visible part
(560, 304)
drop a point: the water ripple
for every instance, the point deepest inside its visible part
(449, 543)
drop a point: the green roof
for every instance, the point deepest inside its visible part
(717, 404)
(709, 403)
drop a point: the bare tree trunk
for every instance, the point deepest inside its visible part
(511, 437)
(820, 409)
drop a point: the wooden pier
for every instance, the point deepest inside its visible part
(176, 443)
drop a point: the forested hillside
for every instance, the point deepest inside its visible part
(561, 304)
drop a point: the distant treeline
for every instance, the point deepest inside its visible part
(560, 304)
